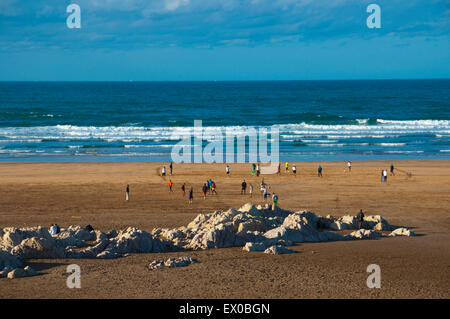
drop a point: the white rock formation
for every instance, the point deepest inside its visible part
(364, 234)
(172, 262)
(250, 227)
(277, 250)
(254, 247)
(402, 232)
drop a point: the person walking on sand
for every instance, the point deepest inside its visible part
(385, 175)
(228, 170)
(319, 171)
(191, 196)
(275, 199)
(382, 175)
(127, 193)
(392, 170)
(204, 190)
(244, 187)
(171, 168)
(213, 188)
(360, 218)
(183, 189)
(253, 168)
(265, 193)
(279, 169)
(170, 184)
(210, 182)
(258, 171)
(349, 164)
(287, 167)
(250, 190)
(294, 170)
(163, 172)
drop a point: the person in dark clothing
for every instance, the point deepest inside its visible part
(204, 189)
(191, 195)
(360, 218)
(183, 189)
(319, 171)
(244, 187)
(89, 228)
(392, 170)
(171, 168)
(127, 193)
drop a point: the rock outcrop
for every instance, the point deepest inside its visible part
(278, 250)
(263, 228)
(172, 262)
(254, 247)
(402, 232)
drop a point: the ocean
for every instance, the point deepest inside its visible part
(141, 121)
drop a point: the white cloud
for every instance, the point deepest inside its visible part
(172, 5)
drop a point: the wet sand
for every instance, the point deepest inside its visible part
(94, 193)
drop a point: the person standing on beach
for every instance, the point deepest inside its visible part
(253, 168)
(163, 172)
(275, 199)
(360, 218)
(228, 170)
(319, 171)
(385, 175)
(250, 190)
(279, 169)
(204, 190)
(213, 188)
(382, 175)
(287, 167)
(349, 164)
(170, 184)
(294, 170)
(171, 168)
(210, 182)
(257, 170)
(183, 189)
(265, 193)
(244, 187)
(127, 193)
(191, 196)
(392, 170)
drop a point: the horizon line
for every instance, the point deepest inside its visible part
(179, 81)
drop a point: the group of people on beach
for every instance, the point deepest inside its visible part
(384, 173)
(210, 186)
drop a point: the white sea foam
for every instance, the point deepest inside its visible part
(390, 144)
(164, 137)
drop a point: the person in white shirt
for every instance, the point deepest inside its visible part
(385, 175)
(228, 170)
(163, 172)
(349, 164)
(294, 169)
(275, 199)
(265, 193)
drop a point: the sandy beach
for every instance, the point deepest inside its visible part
(94, 193)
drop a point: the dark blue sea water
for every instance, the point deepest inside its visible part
(317, 120)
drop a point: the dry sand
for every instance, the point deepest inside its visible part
(94, 193)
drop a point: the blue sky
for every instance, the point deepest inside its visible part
(154, 40)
